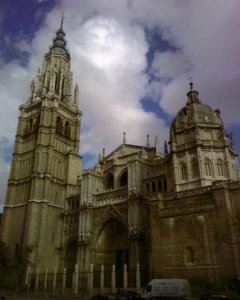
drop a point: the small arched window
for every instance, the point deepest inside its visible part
(59, 125)
(124, 179)
(195, 168)
(159, 186)
(153, 187)
(57, 83)
(147, 188)
(109, 182)
(184, 171)
(208, 167)
(165, 185)
(189, 256)
(30, 125)
(36, 124)
(48, 84)
(62, 90)
(220, 167)
(67, 130)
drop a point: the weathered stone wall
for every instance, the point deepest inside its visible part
(202, 224)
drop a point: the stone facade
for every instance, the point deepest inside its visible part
(176, 214)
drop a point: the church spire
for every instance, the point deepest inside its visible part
(59, 42)
(61, 26)
(55, 79)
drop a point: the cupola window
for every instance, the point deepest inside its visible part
(147, 188)
(220, 167)
(184, 171)
(153, 187)
(208, 167)
(195, 168)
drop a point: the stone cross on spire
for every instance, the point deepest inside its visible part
(190, 82)
(192, 94)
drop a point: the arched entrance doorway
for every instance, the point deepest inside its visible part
(70, 261)
(112, 247)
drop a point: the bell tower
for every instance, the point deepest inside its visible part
(46, 163)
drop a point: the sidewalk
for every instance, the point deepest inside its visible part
(10, 295)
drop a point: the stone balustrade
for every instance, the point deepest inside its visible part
(111, 196)
(186, 208)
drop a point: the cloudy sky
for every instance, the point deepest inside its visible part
(132, 60)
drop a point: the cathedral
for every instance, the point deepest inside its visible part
(175, 214)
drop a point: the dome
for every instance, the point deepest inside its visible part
(195, 112)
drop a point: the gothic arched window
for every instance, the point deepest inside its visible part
(59, 125)
(184, 171)
(67, 130)
(220, 167)
(109, 182)
(36, 123)
(208, 167)
(195, 168)
(160, 186)
(62, 90)
(57, 83)
(147, 188)
(124, 179)
(189, 256)
(153, 187)
(30, 125)
(165, 185)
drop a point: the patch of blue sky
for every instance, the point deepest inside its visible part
(149, 105)
(89, 160)
(21, 20)
(10, 54)
(85, 126)
(156, 43)
(6, 149)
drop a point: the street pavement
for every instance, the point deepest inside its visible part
(9, 295)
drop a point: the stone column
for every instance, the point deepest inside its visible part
(125, 277)
(45, 281)
(54, 280)
(29, 280)
(75, 280)
(90, 279)
(113, 280)
(27, 277)
(64, 280)
(36, 280)
(102, 279)
(138, 280)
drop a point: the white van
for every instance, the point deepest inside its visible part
(175, 288)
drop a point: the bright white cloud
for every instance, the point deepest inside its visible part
(206, 36)
(108, 49)
(110, 62)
